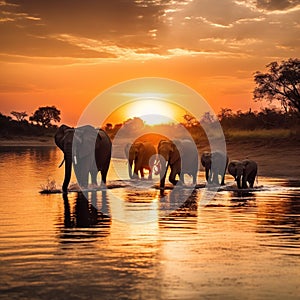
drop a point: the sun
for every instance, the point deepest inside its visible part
(154, 100)
(153, 110)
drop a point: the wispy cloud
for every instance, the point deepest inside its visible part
(148, 29)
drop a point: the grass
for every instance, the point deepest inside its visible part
(262, 134)
(49, 186)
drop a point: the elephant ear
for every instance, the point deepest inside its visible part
(245, 164)
(61, 134)
(85, 140)
(139, 149)
(232, 168)
(205, 157)
(174, 153)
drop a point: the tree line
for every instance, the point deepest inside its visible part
(39, 124)
(281, 83)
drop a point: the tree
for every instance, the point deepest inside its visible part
(225, 113)
(190, 120)
(281, 82)
(134, 124)
(207, 118)
(44, 115)
(108, 127)
(20, 116)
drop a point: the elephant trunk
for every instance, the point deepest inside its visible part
(207, 169)
(163, 172)
(130, 163)
(68, 171)
(238, 181)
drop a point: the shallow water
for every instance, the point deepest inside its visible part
(238, 246)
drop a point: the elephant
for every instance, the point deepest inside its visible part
(88, 149)
(245, 170)
(142, 154)
(181, 156)
(215, 164)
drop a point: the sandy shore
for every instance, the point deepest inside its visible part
(275, 158)
(27, 142)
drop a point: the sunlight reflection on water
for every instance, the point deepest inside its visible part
(241, 245)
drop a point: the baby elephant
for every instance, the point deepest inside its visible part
(244, 170)
(215, 165)
(142, 156)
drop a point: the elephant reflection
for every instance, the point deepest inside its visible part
(142, 156)
(84, 214)
(88, 149)
(181, 156)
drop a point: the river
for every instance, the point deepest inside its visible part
(117, 245)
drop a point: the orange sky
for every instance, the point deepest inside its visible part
(65, 53)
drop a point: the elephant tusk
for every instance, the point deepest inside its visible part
(61, 163)
(75, 159)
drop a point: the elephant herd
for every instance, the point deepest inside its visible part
(89, 151)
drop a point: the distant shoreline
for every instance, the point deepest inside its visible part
(275, 158)
(27, 142)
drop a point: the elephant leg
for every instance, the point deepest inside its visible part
(207, 174)
(151, 166)
(194, 175)
(150, 172)
(103, 176)
(142, 172)
(68, 171)
(238, 182)
(251, 180)
(244, 183)
(94, 177)
(215, 177)
(136, 172)
(223, 179)
(83, 174)
(173, 176)
(181, 177)
(104, 171)
(163, 175)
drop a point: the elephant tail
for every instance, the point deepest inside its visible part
(61, 163)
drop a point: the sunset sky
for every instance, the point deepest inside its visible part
(66, 52)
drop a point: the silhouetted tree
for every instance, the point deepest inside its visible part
(108, 127)
(225, 113)
(134, 124)
(281, 82)
(190, 120)
(44, 115)
(208, 118)
(20, 116)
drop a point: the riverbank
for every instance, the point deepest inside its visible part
(27, 141)
(275, 157)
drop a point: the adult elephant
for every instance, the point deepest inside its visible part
(243, 171)
(181, 156)
(215, 164)
(88, 149)
(142, 155)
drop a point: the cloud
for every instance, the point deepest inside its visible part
(147, 29)
(272, 5)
